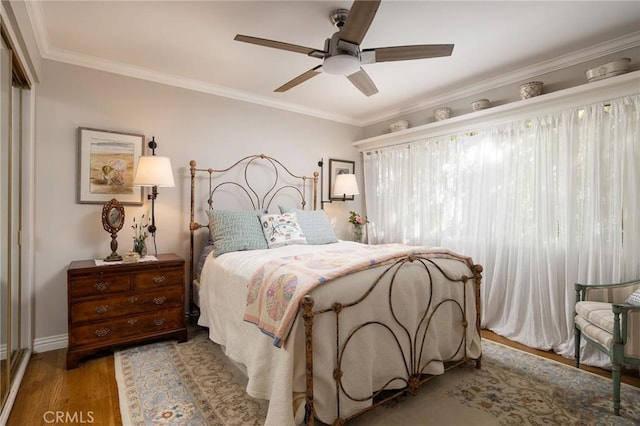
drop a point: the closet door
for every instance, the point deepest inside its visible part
(15, 227)
(5, 220)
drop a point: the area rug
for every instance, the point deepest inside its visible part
(193, 383)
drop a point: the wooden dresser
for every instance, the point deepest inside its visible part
(121, 304)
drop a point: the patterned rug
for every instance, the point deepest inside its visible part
(194, 384)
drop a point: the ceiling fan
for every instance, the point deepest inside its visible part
(342, 54)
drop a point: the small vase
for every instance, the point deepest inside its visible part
(358, 233)
(140, 247)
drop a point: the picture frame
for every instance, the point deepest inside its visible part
(107, 162)
(337, 167)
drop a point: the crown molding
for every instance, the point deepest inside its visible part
(583, 55)
(36, 15)
(120, 68)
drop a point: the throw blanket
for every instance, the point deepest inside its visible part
(277, 287)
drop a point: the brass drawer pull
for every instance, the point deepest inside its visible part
(132, 321)
(101, 332)
(101, 286)
(159, 300)
(159, 279)
(101, 309)
(159, 321)
(133, 299)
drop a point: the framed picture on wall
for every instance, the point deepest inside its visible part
(338, 167)
(107, 164)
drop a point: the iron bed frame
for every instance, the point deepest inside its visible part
(413, 364)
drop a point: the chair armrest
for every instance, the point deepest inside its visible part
(626, 318)
(619, 291)
(625, 307)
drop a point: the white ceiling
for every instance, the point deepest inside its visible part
(190, 44)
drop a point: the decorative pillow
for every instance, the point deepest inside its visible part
(282, 230)
(634, 298)
(314, 224)
(235, 231)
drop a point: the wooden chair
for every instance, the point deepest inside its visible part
(610, 324)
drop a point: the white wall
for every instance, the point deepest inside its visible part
(187, 125)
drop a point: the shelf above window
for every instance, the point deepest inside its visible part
(598, 91)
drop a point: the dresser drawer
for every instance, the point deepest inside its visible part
(93, 285)
(115, 330)
(160, 277)
(114, 306)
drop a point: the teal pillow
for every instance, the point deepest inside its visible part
(235, 231)
(314, 224)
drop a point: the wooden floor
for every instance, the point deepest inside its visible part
(90, 392)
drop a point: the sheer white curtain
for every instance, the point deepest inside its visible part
(540, 203)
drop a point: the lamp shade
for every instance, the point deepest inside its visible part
(154, 171)
(346, 184)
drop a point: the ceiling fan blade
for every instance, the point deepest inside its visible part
(363, 82)
(359, 20)
(403, 53)
(281, 45)
(300, 79)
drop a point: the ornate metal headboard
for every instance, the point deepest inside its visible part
(277, 180)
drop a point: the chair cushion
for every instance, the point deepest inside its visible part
(595, 320)
(594, 332)
(599, 314)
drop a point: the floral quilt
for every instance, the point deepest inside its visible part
(277, 287)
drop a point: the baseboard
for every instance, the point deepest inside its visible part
(50, 343)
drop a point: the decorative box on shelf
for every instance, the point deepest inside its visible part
(117, 304)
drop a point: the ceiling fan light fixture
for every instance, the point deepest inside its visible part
(341, 64)
(342, 54)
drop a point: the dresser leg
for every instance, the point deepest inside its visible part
(182, 336)
(72, 360)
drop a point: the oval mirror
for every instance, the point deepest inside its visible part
(112, 221)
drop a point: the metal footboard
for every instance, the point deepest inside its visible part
(415, 340)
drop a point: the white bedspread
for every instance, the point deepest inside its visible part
(278, 374)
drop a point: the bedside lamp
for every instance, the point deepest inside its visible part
(346, 185)
(154, 171)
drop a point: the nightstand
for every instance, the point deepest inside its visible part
(115, 305)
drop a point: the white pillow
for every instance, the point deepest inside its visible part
(282, 230)
(634, 298)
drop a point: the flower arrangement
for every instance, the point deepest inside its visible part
(357, 220)
(358, 223)
(140, 235)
